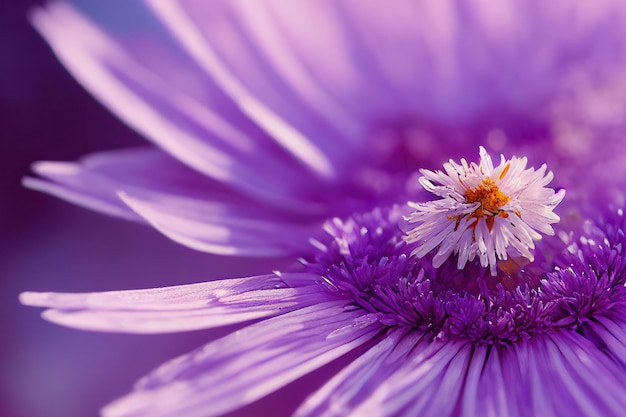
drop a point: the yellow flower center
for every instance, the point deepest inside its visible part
(489, 196)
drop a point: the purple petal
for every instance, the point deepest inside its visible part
(282, 61)
(248, 364)
(157, 90)
(186, 206)
(428, 383)
(96, 179)
(489, 395)
(221, 228)
(356, 382)
(561, 375)
(612, 332)
(101, 202)
(178, 308)
(338, 61)
(213, 34)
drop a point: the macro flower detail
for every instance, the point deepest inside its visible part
(491, 212)
(428, 341)
(295, 130)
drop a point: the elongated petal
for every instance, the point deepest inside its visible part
(156, 89)
(178, 308)
(226, 52)
(223, 229)
(95, 180)
(561, 375)
(426, 384)
(342, 60)
(248, 364)
(612, 332)
(185, 205)
(356, 382)
(101, 202)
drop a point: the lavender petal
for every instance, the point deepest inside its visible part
(427, 383)
(178, 308)
(186, 206)
(246, 365)
(355, 383)
(195, 122)
(562, 375)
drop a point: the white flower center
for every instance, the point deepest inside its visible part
(488, 223)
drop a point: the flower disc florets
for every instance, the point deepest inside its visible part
(488, 212)
(365, 260)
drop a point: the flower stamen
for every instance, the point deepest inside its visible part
(489, 196)
(481, 200)
(491, 200)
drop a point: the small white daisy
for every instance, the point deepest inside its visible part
(492, 213)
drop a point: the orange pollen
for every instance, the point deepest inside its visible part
(489, 196)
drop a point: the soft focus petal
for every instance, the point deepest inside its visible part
(248, 364)
(192, 120)
(101, 202)
(179, 308)
(186, 206)
(95, 180)
(221, 228)
(221, 46)
(449, 60)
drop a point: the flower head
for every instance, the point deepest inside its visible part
(428, 340)
(270, 119)
(490, 212)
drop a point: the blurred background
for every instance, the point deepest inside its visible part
(50, 245)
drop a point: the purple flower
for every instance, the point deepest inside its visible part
(296, 130)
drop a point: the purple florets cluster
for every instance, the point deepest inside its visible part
(366, 260)
(591, 279)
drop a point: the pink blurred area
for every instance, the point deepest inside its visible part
(49, 245)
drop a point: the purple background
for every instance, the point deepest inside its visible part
(47, 244)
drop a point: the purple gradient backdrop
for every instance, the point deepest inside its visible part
(46, 244)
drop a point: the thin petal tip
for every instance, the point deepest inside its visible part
(33, 299)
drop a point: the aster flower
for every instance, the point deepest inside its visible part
(272, 119)
(484, 210)
(546, 340)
